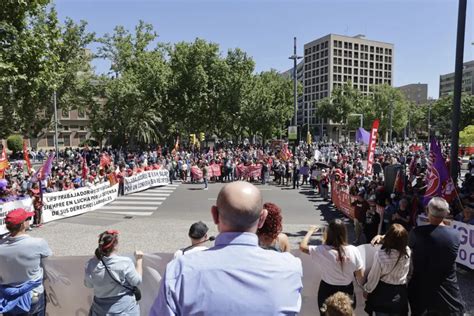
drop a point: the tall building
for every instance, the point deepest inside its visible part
(332, 60)
(446, 82)
(415, 92)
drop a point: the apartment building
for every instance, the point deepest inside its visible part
(415, 92)
(446, 82)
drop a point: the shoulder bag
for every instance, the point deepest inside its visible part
(135, 290)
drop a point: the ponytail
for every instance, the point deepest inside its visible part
(108, 241)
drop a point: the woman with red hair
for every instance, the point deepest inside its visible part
(269, 235)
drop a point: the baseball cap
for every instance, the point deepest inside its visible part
(198, 230)
(18, 216)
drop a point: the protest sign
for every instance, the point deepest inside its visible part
(214, 170)
(342, 200)
(252, 171)
(65, 275)
(58, 205)
(145, 180)
(196, 173)
(466, 235)
(26, 203)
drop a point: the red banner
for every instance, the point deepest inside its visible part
(252, 171)
(342, 200)
(214, 170)
(196, 173)
(372, 144)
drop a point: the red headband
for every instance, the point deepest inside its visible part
(114, 234)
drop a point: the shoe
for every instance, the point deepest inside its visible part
(205, 189)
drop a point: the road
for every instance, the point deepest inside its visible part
(157, 220)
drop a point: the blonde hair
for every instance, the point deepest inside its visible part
(338, 304)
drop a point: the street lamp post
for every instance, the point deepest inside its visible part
(295, 58)
(55, 125)
(391, 121)
(457, 89)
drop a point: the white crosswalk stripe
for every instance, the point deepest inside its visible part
(142, 203)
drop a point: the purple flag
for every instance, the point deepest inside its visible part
(437, 173)
(45, 169)
(362, 136)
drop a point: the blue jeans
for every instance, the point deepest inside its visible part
(205, 183)
(37, 309)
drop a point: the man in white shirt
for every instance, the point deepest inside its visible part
(198, 235)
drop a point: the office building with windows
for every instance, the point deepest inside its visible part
(332, 60)
(446, 82)
(415, 92)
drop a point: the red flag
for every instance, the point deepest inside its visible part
(104, 160)
(26, 156)
(372, 144)
(398, 185)
(85, 170)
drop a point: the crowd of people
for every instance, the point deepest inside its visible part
(413, 269)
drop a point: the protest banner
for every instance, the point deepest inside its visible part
(214, 170)
(65, 275)
(58, 205)
(372, 145)
(196, 173)
(145, 180)
(252, 171)
(26, 203)
(466, 235)
(342, 200)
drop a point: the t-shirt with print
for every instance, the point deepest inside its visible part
(332, 272)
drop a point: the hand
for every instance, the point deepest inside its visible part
(138, 254)
(365, 294)
(377, 240)
(312, 228)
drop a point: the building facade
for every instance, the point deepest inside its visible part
(446, 82)
(299, 76)
(73, 129)
(332, 60)
(415, 92)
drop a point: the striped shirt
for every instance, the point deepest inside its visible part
(384, 269)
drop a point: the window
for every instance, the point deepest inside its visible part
(82, 128)
(356, 71)
(356, 55)
(334, 68)
(356, 63)
(65, 128)
(371, 49)
(65, 113)
(81, 114)
(355, 78)
(67, 140)
(50, 140)
(356, 46)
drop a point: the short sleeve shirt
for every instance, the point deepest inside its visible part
(20, 259)
(332, 272)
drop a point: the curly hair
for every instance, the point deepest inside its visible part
(273, 223)
(338, 304)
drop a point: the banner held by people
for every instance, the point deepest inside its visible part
(372, 144)
(145, 180)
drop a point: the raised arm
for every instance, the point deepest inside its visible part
(304, 244)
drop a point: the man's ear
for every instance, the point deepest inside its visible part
(262, 218)
(215, 214)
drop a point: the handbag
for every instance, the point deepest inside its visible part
(388, 298)
(135, 290)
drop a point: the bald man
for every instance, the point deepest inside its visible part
(236, 276)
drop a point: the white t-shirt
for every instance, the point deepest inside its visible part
(332, 272)
(179, 252)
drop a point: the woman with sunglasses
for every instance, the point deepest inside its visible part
(113, 278)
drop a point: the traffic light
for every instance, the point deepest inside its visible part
(192, 139)
(202, 136)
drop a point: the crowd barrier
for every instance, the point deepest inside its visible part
(65, 275)
(63, 204)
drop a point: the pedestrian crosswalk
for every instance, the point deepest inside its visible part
(142, 203)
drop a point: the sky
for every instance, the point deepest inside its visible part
(423, 31)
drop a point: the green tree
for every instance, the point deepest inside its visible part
(466, 136)
(134, 101)
(386, 101)
(15, 143)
